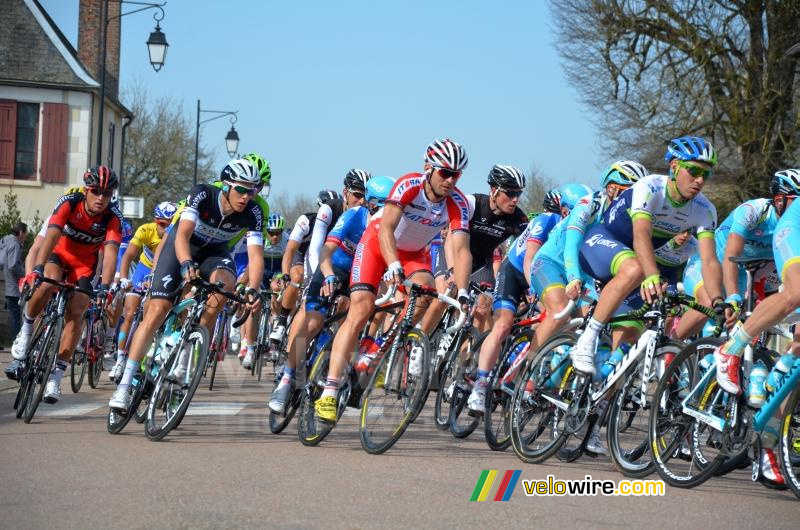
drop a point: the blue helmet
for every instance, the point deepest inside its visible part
(275, 222)
(623, 172)
(164, 210)
(378, 189)
(691, 148)
(572, 193)
(127, 230)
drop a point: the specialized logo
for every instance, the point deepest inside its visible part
(491, 485)
(166, 280)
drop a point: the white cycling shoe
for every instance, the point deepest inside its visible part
(19, 350)
(52, 392)
(582, 355)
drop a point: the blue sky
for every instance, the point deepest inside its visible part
(325, 86)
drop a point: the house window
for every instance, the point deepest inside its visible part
(25, 147)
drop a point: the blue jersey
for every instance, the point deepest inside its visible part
(537, 231)
(755, 222)
(346, 233)
(786, 243)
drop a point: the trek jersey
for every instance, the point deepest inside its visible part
(83, 236)
(488, 230)
(146, 237)
(204, 208)
(648, 198)
(537, 231)
(346, 233)
(422, 219)
(755, 221)
(564, 241)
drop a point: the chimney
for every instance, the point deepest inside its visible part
(89, 32)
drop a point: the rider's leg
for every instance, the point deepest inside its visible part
(73, 319)
(692, 321)
(288, 302)
(362, 303)
(132, 301)
(216, 302)
(555, 300)
(483, 313)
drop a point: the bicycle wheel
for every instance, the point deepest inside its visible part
(44, 357)
(96, 357)
(77, 370)
(628, 419)
(278, 422)
(310, 429)
(464, 343)
(497, 414)
(171, 398)
(116, 421)
(462, 424)
(789, 443)
(537, 425)
(393, 395)
(685, 451)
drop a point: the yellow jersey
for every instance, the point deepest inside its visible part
(146, 238)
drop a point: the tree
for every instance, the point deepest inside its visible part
(654, 70)
(291, 206)
(538, 185)
(159, 151)
(10, 216)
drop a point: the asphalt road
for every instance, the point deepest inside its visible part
(222, 467)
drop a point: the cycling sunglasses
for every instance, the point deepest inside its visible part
(511, 194)
(357, 194)
(99, 192)
(244, 190)
(274, 232)
(696, 171)
(448, 174)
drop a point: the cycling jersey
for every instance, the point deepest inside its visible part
(755, 222)
(346, 233)
(301, 231)
(786, 241)
(537, 231)
(146, 238)
(487, 230)
(672, 255)
(326, 217)
(212, 228)
(273, 254)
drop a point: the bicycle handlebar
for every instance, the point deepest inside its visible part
(386, 297)
(566, 311)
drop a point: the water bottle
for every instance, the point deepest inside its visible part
(781, 368)
(516, 351)
(706, 362)
(613, 360)
(558, 371)
(600, 357)
(756, 391)
(367, 352)
(167, 345)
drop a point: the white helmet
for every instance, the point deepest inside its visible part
(240, 170)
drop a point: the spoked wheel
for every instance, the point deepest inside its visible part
(96, 356)
(789, 443)
(43, 356)
(462, 424)
(77, 370)
(171, 398)
(395, 393)
(497, 414)
(537, 424)
(685, 451)
(278, 422)
(95, 370)
(215, 353)
(310, 429)
(117, 420)
(447, 377)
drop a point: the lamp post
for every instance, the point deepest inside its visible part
(231, 139)
(156, 46)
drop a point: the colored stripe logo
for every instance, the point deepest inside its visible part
(488, 483)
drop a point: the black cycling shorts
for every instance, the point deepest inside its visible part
(510, 288)
(317, 302)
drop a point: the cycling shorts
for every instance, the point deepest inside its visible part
(765, 280)
(138, 279)
(601, 254)
(510, 287)
(546, 274)
(167, 274)
(241, 261)
(314, 300)
(369, 265)
(77, 269)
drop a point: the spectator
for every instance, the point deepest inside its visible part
(13, 270)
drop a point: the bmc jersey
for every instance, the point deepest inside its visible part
(537, 231)
(488, 229)
(346, 233)
(648, 198)
(423, 219)
(212, 228)
(84, 235)
(146, 238)
(755, 222)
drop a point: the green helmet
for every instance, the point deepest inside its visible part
(261, 165)
(533, 215)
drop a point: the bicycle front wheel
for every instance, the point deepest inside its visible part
(460, 348)
(395, 392)
(790, 442)
(310, 429)
(44, 357)
(174, 390)
(497, 413)
(77, 370)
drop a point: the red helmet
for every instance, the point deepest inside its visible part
(100, 177)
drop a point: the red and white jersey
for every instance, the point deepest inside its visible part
(422, 219)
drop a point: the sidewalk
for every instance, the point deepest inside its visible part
(5, 358)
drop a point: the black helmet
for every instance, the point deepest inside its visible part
(356, 180)
(101, 177)
(328, 196)
(552, 201)
(506, 177)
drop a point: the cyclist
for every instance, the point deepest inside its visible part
(142, 246)
(332, 276)
(493, 219)
(620, 251)
(419, 205)
(512, 283)
(747, 231)
(198, 246)
(80, 225)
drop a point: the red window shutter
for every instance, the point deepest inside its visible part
(8, 137)
(55, 117)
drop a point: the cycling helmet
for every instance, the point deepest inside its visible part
(164, 210)
(691, 148)
(240, 170)
(378, 189)
(786, 182)
(623, 172)
(552, 201)
(506, 177)
(446, 154)
(101, 177)
(127, 230)
(275, 221)
(356, 180)
(261, 165)
(328, 196)
(572, 193)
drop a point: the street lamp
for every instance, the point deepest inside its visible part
(156, 47)
(231, 139)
